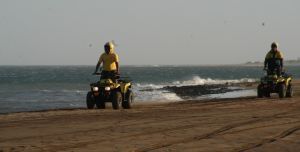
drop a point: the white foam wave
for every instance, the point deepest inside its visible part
(196, 80)
(234, 94)
(149, 86)
(155, 95)
(154, 92)
(64, 91)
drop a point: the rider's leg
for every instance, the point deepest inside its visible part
(104, 75)
(271, 71)
(113, 76)
(279, 71)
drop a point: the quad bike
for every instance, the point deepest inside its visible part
(271, 83)
(116, 91)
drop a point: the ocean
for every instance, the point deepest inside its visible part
(33, 88)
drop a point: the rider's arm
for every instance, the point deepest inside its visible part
(98, 64)
(281, 62)
(117, 65)
(266, 60)
(281, 59)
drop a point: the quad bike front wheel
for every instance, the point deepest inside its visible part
(282, 90)
(90, 100)
(289, 91)
(126, 104)
(116, 100)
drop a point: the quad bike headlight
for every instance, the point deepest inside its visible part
(95, 89)
(107, 88)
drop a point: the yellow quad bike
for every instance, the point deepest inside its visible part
(118, 92)
(271, 83)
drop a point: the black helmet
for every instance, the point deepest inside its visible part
(274, 45)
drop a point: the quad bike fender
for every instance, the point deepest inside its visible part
(116, 85)
(285, 81)
(288, 81)
(124, 87)
(281, 80)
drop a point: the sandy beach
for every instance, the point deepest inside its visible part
(149, 76)
(243, 124)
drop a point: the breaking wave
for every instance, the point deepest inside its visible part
(154, 92)
(196, 80)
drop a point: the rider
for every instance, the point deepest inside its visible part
(274, 60)
(110, 62)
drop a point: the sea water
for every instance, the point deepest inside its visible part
(31, 88)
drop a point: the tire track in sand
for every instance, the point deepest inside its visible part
(87, 131)
(270, 140)
(207, 135)
(83, 144)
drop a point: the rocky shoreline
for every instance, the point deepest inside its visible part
(186, 92)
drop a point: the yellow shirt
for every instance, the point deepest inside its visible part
(109, 61)
(277, 55)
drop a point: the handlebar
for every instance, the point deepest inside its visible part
(117, 75)
(266, 69)
(96, 73)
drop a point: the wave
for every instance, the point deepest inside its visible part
(151, 92)
(63, 91)
(196, 80)
(155, 95)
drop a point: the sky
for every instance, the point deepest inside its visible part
(147, 32)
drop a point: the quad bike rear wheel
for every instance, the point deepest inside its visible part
(260, 92)
(116, 100)
(126, 104)
(90, 100)
(267, 94)
(282, 90)
(289, 91)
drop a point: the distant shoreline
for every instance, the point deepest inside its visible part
(249, 63)
(254, 64)
(286, 62)
(261, 64)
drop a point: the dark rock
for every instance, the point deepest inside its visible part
(199, 90)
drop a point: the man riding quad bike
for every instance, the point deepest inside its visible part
(109, 88)
(271, 83)
(275, 81)
(116, 91)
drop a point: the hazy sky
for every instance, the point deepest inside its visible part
(72, 32)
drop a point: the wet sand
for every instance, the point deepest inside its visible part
(243, 124)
